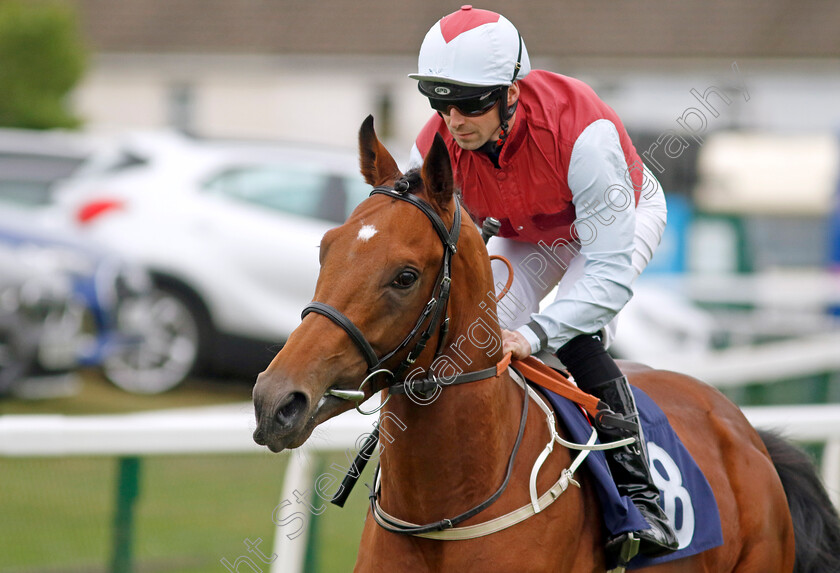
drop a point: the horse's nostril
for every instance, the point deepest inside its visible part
(293, 406)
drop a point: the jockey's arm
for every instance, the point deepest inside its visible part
(606, 223)
(415, 158)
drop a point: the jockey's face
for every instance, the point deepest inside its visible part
(470, 133)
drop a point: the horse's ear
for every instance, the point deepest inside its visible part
(437, 173)
(376, 164)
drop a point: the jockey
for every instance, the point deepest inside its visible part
(553, 163)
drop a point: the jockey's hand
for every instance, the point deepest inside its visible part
(514, 342)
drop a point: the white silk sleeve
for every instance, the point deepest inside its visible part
(415, 158)
(604, 201)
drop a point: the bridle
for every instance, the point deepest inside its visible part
(434, 311)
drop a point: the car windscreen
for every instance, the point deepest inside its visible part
(26, 178)
(307, 191)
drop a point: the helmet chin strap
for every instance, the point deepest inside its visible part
(505, 113)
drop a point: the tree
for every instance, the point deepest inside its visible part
(42, 58)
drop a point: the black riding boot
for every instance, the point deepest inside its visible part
(596, 372)
(630, 468)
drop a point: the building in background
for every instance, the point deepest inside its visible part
(285, 69)
(676, 73)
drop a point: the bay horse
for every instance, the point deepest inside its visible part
(381, 298)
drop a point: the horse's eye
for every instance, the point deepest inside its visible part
(405, 279)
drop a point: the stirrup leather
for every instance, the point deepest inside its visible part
(614, 424)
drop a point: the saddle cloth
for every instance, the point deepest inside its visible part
(685, 495)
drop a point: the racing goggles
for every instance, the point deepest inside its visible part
(470, 101)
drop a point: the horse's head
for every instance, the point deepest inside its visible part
(380, 273)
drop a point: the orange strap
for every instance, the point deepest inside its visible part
(540, 374)
(503, 364)
(545, 376)
(510, 275)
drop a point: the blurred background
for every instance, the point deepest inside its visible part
(167, 169)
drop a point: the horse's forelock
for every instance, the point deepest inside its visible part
(414, 180)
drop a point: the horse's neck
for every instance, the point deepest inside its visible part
(450, 452)
(454, 450)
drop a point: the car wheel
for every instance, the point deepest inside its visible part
(170, 330)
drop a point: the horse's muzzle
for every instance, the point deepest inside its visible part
(281, 415)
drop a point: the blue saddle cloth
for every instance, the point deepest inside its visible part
(685, 495)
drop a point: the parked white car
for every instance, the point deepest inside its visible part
(230, 233)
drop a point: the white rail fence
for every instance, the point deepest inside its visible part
(228, 430)
(765, 363)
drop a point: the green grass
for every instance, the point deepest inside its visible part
(54, 512)
(96, 396)
(56, 515)
(191, 512)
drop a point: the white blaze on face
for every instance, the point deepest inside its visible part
(366, 232)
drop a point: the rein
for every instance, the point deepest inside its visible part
(445, 529)
(394, 525)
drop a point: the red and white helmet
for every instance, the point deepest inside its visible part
(473, 47)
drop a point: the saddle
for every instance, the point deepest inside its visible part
(685, 494)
